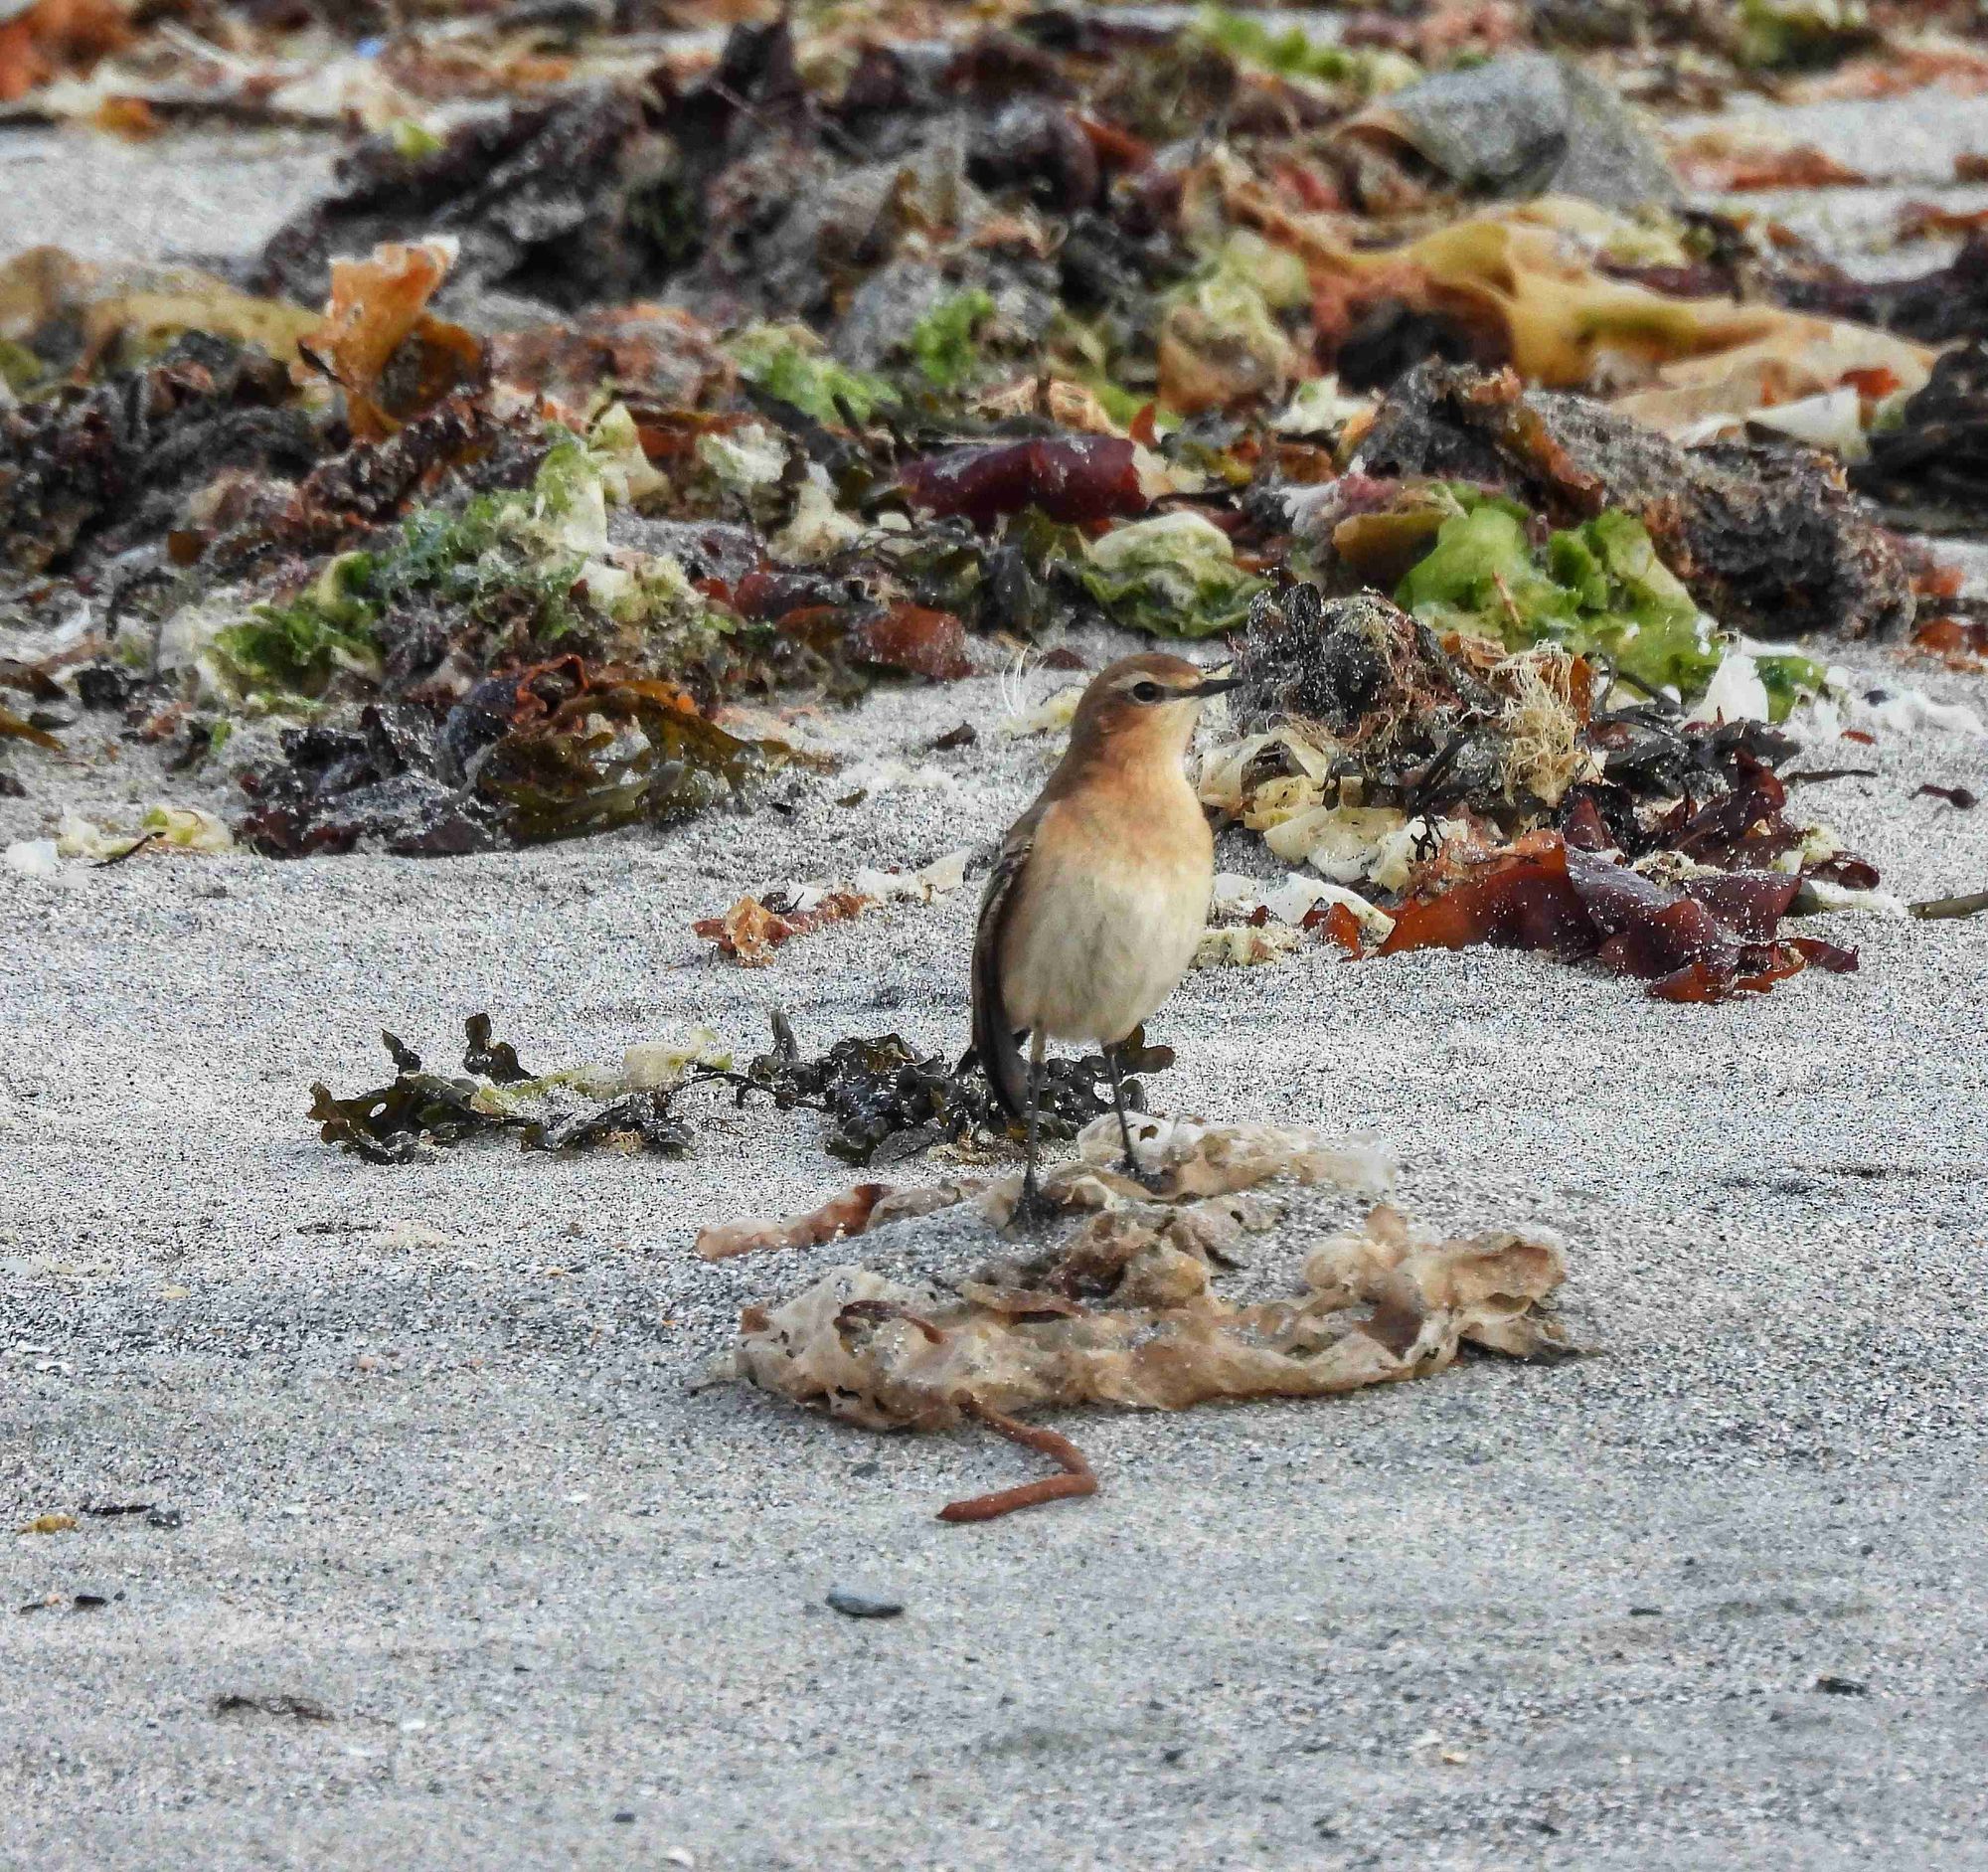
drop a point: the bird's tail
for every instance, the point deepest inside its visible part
(995, 1044)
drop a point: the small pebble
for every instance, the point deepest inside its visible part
(862, 1605)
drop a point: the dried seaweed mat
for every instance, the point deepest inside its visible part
(1113, 1300)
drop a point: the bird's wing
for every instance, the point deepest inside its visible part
(993, 1031)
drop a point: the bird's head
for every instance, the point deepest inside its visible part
(1141, 708)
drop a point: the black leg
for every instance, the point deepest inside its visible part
(1118, 1105)
(1132, 1166)
(1030, 1194)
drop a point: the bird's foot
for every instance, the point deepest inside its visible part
(1033, 1211)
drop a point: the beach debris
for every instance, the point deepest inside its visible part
(750, 930)
(1483, 795)
(1769, 542)
(878, 1089)
(756, 925)
(529, 675)
(419, 1112)
(1523, 125)
(657, 357)
(1934, 459)
(88, 472)
(393, 358)
(573, 199)
(1122, 1308)
(1357, 690)
(553, 751)
(852, 1604)
(1535, 287)
(536, 466)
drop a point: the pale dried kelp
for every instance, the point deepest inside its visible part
(1123, 1309)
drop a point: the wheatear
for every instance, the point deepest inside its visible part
(1100, 892)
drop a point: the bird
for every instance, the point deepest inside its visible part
(1099, 891)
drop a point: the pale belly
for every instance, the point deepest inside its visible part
(1109, 953)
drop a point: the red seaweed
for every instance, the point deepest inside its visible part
(1069, 478)
(1717, 936)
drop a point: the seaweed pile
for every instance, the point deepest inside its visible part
(420, 1111)
(859, 352)
(1121, 1307)
(876, 1094)
(1470, 795)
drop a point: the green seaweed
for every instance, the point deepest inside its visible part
(1598, 588)
(943, 343)
(1789, 35)
(1293, 53)
(1788, 678)
(787, 362)
(294, 650)
(1174, 575)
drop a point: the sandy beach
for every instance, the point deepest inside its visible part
(449, 1462)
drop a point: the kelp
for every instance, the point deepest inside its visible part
(874, 1089)
(615, 753)
(1065, 477)
(393, 358)
(1704, 941)
(1522, 288)
(419, 1112)
(64, 319)
(556, 751)
(1121, 1307)
(1767, 541)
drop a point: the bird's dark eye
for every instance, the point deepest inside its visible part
(1147, 691)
